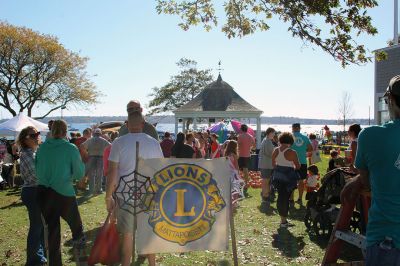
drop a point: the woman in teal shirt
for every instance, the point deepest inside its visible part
(58, 163)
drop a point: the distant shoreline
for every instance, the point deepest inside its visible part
(169, 119)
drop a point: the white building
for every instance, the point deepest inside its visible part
(384, 71)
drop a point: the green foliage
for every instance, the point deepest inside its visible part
(330, 25)
(36, 69)
(181, 88)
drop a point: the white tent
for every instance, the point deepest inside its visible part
(13, 126)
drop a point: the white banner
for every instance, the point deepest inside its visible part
(190, 207)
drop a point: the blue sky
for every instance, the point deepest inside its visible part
(133, 49)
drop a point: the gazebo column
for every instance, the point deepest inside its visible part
(176, 125)
(258, 134)
(195, 123)
(183, 125)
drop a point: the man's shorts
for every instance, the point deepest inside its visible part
(124, 218)
(377, 255)
(266, 173)
(303, 171)
(244, 162)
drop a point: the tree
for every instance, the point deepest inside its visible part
(181, 88)
(330, 25)
(36, 69)
(345, 108)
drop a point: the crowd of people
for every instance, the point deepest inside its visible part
(286, 162)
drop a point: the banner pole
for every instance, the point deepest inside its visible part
(134, 203)
(232, 226)
(233, 237)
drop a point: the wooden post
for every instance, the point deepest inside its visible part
(232, 226)
(233, 238)
(134, 202)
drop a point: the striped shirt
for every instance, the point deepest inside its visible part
(27, 167)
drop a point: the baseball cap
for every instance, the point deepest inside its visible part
(296, 125)
(97, 131)
(394, 86)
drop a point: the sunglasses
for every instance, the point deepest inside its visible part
(34, 135)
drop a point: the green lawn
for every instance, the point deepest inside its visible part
(258, 238)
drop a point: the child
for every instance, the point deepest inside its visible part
(231, 152)
(312, 179)
(336, 161)
(334, 155)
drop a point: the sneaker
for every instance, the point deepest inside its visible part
(283, 225)
(265, 205)
(286, 225)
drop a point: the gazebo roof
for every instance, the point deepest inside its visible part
(218, 96)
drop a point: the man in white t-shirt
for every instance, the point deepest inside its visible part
(122, 162)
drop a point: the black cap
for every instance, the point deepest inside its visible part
(296, 125)
(394, 86)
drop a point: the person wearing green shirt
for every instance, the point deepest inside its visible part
(378, 162)
(58, 163)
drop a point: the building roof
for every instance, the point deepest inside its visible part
(387, 48)
(218, 96)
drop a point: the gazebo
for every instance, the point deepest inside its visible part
(218, 101)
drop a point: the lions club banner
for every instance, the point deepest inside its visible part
(189, 209)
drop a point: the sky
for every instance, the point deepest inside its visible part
(133, 49)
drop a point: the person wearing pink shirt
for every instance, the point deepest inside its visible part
(246, 143)
(106, 154)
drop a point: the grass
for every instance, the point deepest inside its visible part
(259, 240)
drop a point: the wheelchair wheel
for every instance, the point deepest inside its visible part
(355, 222)
(322, 226)
(308, 220)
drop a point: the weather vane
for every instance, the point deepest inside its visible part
(219, 67)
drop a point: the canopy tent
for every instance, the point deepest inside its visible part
(13, 126)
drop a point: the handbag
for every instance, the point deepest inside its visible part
(106, 247)
(315, 157)
(285, 176)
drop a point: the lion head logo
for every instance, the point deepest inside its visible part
(185, 203)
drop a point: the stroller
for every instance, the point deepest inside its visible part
(322, 209)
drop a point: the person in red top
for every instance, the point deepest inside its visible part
(87, 134)
(215, 147)
(166, 145)
(245, 142)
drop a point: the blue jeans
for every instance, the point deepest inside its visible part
(35, 243)
(377, 256)
(95, 173)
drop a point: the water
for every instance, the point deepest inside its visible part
(316, 129)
